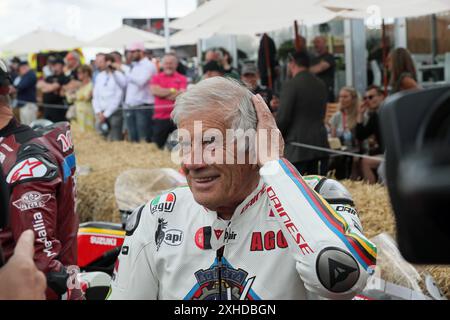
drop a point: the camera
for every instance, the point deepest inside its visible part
(416, 131)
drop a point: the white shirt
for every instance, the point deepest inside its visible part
(138, 83)
(284, 241)
(121, 78)
(108, 93)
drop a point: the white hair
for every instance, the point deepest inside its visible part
(218, 92)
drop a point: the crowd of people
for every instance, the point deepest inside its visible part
(120, 98)
(131, 98)
(303, 104)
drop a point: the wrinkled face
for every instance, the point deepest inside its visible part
(374, 99)
(250, 80)
(215, 186)
(169, 65)
(345, 99)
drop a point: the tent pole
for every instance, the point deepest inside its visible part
(434, 38)
(298, 43)
(268, 66)
(166, 25)
(384, 46)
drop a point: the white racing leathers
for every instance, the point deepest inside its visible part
(283, 242)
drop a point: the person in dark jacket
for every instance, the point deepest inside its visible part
(53, 98)
(301, 116)
(267, 54)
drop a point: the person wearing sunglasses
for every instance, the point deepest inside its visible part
(370, 130)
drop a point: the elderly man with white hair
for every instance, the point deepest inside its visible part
(241, 229)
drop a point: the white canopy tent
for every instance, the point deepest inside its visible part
(253, 16)
(41, 40)
(257, 16)
(184, 37)
(203, 13)
(386, 8)
(125, 35)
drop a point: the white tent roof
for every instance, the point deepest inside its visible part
(41, 40)
(386, 8)
(253, 16)
(204, 12)
(124, 36)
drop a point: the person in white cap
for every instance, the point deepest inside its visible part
(139, 101)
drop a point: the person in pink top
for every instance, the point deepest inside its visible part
(166, 86)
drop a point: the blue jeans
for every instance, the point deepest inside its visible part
(139, 123)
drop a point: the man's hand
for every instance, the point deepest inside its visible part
(101, 117)
(19, 278)
(270, 143)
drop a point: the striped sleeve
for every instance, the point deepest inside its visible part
(319, 238)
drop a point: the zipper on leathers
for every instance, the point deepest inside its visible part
(219, 267)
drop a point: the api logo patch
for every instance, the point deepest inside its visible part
(173, 237)
(164, 203)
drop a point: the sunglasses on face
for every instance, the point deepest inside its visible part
(369, 97)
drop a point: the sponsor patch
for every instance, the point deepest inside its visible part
(173, 237)
(66, 141)
(337, 270)
(32, 200)
(103, 241)
(160, 234)
(26, 169)
(164, 203)
(287, 221)
(268, 241)
(218, 233)
(41, 234)
(236, 285)
(202, 238)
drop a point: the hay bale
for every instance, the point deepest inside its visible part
(103, 162)
(375, 211)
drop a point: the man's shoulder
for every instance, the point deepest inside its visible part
(147, 63)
